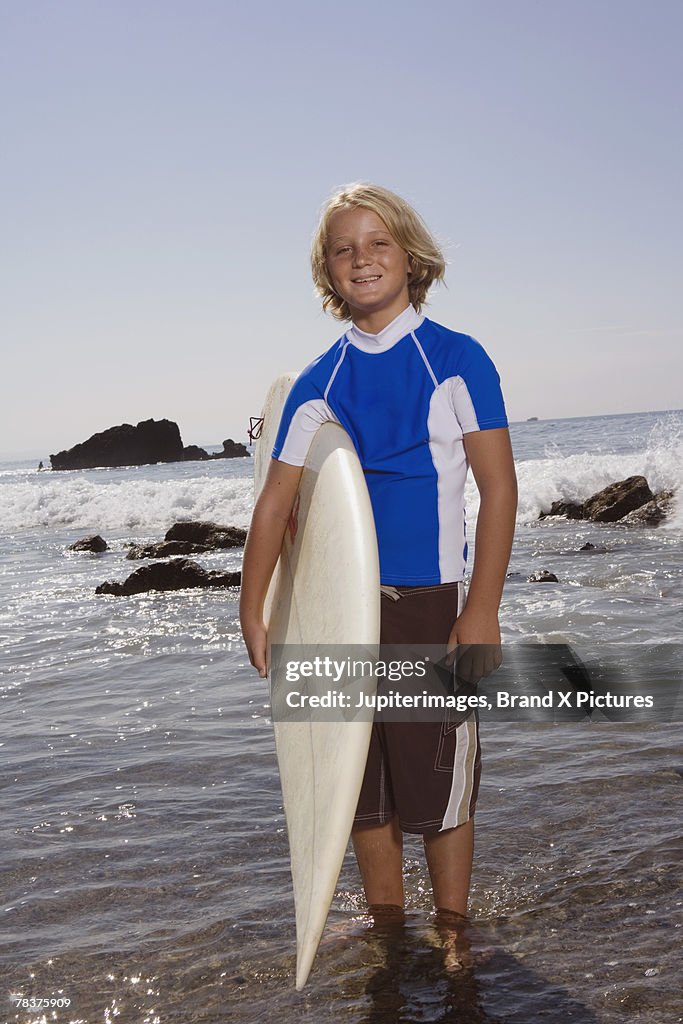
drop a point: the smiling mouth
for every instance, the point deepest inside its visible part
(367, 280)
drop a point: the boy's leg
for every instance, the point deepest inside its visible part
(449, 859)
(379, 852)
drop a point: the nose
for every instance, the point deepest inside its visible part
(361, 257)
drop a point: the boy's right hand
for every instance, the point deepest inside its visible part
(255, 637)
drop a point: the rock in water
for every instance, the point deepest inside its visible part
(570, 509)
(191, 538)
(231, 450)
(96, 544)
(193, 453)
(628, 501)
(616, 501)
(149, 442)
(208, 534)
(177, 574)
(165, 549)
(652, 513)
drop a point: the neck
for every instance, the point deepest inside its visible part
(373, 323)
(381, 341)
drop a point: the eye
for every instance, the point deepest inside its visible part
(343, 249)
(380, 241)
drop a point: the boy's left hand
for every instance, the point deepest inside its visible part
(474, 646)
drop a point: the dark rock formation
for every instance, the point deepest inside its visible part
(231, 450)
(177, 574)
(614, 502)
(149, 442)
(165, 549)
(570, 509)
(596, 549)
(95, 544)
(212, 535)
(653, 512)
(542, 577)
(193, 538)
(193, 453)
(650, 514)
(628, 501)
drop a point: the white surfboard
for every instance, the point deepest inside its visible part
(325, 591)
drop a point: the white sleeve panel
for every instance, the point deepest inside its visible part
(462, 404)
(304, 423)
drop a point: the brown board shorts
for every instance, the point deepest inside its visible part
(426, 772)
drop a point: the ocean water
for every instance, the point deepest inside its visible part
(144, 860)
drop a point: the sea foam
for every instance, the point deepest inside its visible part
(132, 501)
(576, 477)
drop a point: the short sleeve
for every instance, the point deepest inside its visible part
(475, 391)
(303, 414)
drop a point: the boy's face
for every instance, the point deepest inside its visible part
(367, 267)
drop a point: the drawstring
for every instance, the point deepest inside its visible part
(395, 595)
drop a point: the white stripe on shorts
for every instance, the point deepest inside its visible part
(458, 809)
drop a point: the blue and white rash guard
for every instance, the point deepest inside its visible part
(405, 396)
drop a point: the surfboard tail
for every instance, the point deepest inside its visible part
(304, 964)
(313, 904)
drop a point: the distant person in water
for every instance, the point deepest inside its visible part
(40, 465)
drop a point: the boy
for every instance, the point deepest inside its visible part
(421, 404)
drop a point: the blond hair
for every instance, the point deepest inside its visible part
(427, 264)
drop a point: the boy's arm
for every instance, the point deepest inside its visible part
(489, 453)
(264, 541)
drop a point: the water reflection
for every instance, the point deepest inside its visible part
(430, 980)
(445, 975)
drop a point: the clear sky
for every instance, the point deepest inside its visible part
(164, 163)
